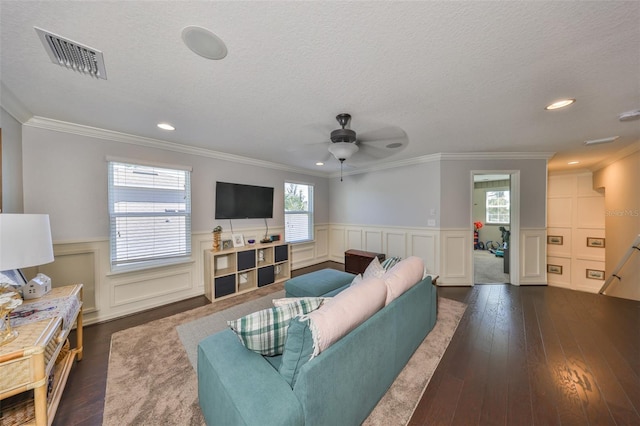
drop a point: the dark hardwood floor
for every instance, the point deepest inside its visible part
(537, 356)
(520, 356)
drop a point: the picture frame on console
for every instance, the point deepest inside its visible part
(238, 240)
(227, 244)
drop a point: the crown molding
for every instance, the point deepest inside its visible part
(497, 156)
(617, 156)
(97, 133)
(13, 106)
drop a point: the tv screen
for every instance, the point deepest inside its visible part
(236, 201)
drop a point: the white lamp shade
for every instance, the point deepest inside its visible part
(25, 240)
(343, 150)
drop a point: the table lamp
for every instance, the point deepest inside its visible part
(25, 240)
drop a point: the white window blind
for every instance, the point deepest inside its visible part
(150, 214)
(298, 212)
(498, 206)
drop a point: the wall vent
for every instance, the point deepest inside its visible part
(72, 55)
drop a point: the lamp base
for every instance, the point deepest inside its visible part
(7, 336)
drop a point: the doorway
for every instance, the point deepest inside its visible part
(493, 222)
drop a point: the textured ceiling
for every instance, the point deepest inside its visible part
(456, 77)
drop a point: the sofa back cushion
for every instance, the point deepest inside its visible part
(346, 311)
(401, 277)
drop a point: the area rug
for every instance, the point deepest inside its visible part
(151, 379)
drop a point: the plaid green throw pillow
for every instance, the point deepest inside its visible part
(266, 331)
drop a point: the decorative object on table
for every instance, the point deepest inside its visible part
(554, 239)
(9, 300)
(238, 240)
(217, 234)
(595, 242)
(554, 269)
(227, 244)
(594, 274)
(251, 242)
(25, 241)
(37, 287)
(476, 228)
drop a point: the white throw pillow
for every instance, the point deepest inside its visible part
(344, 312)
(404, 275)
(374, 269)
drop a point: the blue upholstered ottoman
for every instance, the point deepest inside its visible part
(317, 283)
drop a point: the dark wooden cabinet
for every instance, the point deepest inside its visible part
(356, 261)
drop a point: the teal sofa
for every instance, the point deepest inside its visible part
(340, 386)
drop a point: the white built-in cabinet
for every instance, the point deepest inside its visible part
(575, 214)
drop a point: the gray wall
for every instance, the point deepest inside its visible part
(67, 178)
(404, 196)
(456, 178)
(11, 163)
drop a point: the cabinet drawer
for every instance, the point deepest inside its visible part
(282, 253)
(266, 276)
(246, 260)
(225, 285)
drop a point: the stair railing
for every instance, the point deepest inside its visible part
(634, 246)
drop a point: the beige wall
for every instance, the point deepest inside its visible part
(621, 184)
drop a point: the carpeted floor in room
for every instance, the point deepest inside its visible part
(487, 268)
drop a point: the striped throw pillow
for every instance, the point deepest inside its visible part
(265, 331)
(390, 262)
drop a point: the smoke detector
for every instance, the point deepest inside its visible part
(629, 115)
(73, 55)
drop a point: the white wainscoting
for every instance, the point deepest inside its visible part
(533, 246)
(456, 263)
(392, 241)
(110, 295)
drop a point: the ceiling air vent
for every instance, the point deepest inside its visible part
(70, 54)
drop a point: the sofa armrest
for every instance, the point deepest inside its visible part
(237, 386)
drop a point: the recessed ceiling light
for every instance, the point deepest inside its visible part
(203, 42)
(166, 126)
(560, 104)
(573, 162)
(319, 163)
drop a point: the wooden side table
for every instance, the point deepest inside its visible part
(356, 261)
(27, 362)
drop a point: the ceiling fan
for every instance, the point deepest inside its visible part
(371, 145)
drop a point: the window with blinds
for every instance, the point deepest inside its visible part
(498, 207)
(298, 212)
(150, 215)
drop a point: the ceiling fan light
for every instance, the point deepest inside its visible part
(343, 150)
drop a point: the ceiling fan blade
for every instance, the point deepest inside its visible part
(306, 146)
(383, 134)
(375, 152)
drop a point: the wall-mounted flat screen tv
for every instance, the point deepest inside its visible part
(237, 201)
